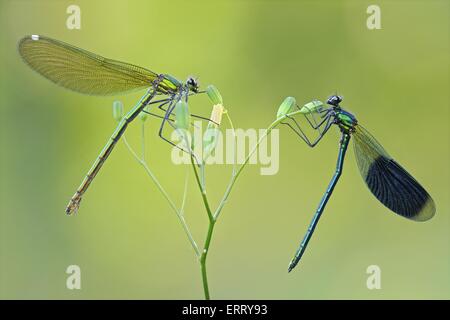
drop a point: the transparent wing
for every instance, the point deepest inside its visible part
(82, 71)
(388, 181)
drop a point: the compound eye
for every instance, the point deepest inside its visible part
(192, 83)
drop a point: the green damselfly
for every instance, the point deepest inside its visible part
(392, 185)
(88, 73)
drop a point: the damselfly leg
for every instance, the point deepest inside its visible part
(322, 127)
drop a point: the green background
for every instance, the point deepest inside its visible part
(126, 239)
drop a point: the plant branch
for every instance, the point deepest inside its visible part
(236, 174)
(166, 196)
(202, 191)
(207, 243)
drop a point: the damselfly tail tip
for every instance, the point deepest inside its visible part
(291, 266)
(74, 204)
(70, 211)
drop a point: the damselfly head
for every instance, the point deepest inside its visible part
(192, 84)
(334, 100)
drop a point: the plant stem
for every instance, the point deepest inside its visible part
(203, 259)
(202, 191)
(207, 243)
(183, 202)
(213, 217)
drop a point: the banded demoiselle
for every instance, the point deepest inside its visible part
(88, 73)
(392, 185)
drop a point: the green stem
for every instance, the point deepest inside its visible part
(203, 259)
(207, 243)
(183, 202)
(233, 172)
(202, 191)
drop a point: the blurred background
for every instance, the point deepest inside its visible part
(125, 238)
